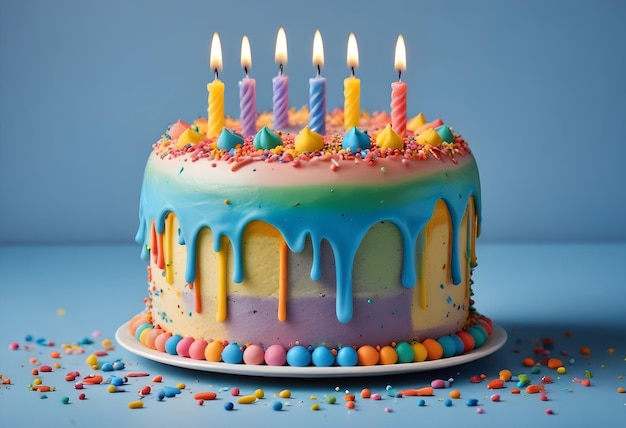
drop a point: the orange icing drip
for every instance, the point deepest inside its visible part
(168, 249)
(283, 280)
(222, 281)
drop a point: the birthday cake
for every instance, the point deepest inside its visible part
(358, 242)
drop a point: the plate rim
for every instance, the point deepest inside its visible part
(494, 342)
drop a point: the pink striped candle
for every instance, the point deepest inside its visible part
(398, 91)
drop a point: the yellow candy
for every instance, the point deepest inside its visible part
(414, 123)
(388, 139)
(189, 136)
(259, 393)
(315, 406)
(420, 352)
(92, 360)
(180, 386)
(308, 141)
(561, 370)
(247, 399)
(430, 136)
(135, 404)
(285, 393)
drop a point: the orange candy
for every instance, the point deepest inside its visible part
(366, 393)
(528, 362)
(367, 356)
(495, 384)
(554, 363)
(434, 349)
(388, 355)
(505, 375)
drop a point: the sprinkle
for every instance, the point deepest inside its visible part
(228, 406)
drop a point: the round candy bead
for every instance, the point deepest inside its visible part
(347, 357)
(434, 349)
(275, 355)
(118, 365)
(140, 330)
(117, 381)
(298, 356)
(277, 405)
(421, 402)
(232, 354)
(170, 344)
(182, 348)
(420, 352)
(388, 355)
(197, 348)
(448, 346)
(322, 357)
(213, 351)
(447, 402)
(254, 355)
(479, 334)
(160, 341)
(228, 405)
(467, 339)
(405, 352)
(367, 355)
(459, 346)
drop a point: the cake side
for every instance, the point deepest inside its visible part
(318, 249)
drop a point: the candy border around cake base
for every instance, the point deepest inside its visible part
(495, 338)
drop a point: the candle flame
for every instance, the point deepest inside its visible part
(353, 53)
(280, 55)
(318, 50)
(246, 54)
(216, 54)
(400, 62)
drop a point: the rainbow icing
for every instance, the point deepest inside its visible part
(310, 188)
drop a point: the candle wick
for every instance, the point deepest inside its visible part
(319, 70)
(280, 66)
(217, 75)
(399, 75)
(352, 68)
(245, 69)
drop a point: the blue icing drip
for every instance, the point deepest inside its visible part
(228, 140)
(355, 139)
(338, 219)
(266, 139)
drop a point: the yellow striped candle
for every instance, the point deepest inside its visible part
(352, 88)
(216, 91)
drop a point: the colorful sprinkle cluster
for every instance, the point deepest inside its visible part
(540, 375)
(423, 141)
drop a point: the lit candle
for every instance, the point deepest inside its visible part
(216, 91)
(280, 83)
(352, 87)
(247, 92)
(398, 91)
(317, 89)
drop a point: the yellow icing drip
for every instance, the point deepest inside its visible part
(474, 233)
(308, 141)
(388, 139)
(430, 136)
(222, 280)
(189, 136)
(168, 248)
(414, 123)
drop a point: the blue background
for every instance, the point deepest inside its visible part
(536, 87)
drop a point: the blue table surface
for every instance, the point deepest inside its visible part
(573, 294)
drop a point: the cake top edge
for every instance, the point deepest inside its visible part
(373, 138)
